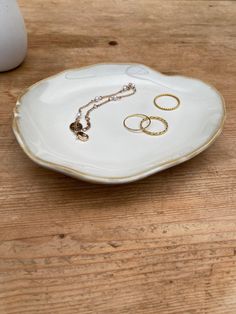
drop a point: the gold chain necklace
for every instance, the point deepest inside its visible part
(78, 129)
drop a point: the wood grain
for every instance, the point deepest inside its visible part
(166, 244)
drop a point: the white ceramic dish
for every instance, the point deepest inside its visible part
(114, 155)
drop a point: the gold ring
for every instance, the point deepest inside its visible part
(166, 108)
(155, 133)
(139, 115)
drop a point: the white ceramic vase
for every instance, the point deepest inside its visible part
(13, 37)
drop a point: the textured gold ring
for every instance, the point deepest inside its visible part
(141, 128)
(164, 122)
(166, 108)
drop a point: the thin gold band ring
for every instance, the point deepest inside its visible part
(141, 128)
(166, 108)
(165, 123)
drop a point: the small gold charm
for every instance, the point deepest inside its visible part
(82, 136)
(76, 127)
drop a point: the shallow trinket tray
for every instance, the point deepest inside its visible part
(44, 112)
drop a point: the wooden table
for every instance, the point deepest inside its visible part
(164, 245)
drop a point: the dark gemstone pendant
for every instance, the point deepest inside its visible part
(82, 136)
